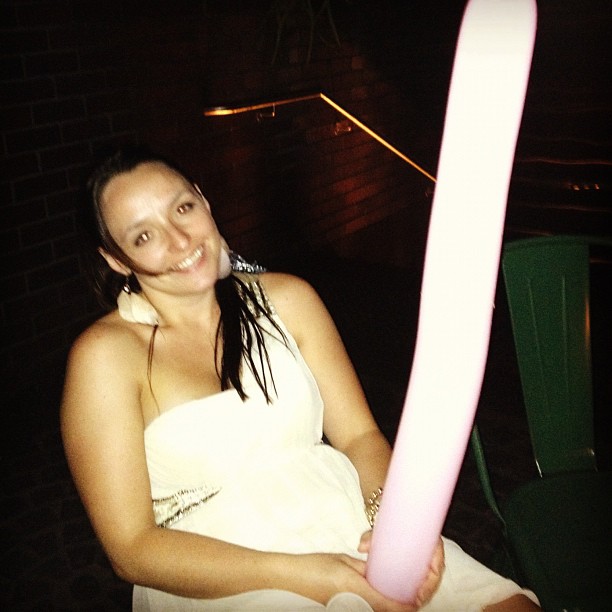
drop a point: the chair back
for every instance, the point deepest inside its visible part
(547, 285)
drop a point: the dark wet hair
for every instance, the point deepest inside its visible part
(239, 335)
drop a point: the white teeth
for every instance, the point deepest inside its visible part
(189, 261)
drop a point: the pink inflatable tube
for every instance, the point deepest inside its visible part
(483, 115)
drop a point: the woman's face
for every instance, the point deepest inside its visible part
(163, 224)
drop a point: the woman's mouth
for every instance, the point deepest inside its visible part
(189, 261)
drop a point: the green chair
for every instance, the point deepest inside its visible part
(557, 528)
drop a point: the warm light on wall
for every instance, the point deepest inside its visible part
(225, 110)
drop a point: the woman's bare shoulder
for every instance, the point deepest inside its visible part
(104, 370)
(110, 337)
(296, 302)
(286, 288)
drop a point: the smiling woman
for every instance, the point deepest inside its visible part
(194, 415)
(153, 216)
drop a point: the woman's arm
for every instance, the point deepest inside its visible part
(348, 423)
(103, 432)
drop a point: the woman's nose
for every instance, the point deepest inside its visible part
(178, 238)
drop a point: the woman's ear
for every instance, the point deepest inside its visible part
(114, 263)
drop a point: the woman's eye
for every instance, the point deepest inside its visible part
(142, 239)
(186, 207)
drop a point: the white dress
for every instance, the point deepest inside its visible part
(259, 475)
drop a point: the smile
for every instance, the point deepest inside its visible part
(189, 261)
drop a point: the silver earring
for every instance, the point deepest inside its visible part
(232, 262)
(240, 264)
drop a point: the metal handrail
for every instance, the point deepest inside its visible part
(245, 108)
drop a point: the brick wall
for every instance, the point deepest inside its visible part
(81, 77)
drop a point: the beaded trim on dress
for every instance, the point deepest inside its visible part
(171, 509)
(259, 293)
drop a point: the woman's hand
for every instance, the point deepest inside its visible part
(321, 576)
(436, 568)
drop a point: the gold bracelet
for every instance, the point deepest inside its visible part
(372, 505)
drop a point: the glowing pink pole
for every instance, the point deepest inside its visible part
(483, 115)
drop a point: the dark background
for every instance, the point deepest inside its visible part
(297, 192)
(81, 77)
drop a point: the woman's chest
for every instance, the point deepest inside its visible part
(179, 371)
(221, 433)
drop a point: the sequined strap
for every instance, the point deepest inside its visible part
(262, 296)
(169, 510)
(259, 293)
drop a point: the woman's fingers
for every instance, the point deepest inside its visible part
(432, 582)
(364, 543)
